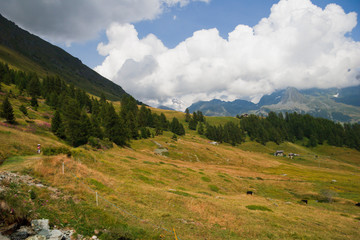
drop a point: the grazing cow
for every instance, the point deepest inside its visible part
(249, 193)
(304, 201)
(358, 204)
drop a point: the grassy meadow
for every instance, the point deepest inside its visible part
(197, 189)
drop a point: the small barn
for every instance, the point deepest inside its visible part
(279, 153)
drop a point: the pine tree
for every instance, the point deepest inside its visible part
(34, 86)
(23, 109)
(96, 130)
(187, 115)
(7, 111)
(192, 124)
(57, 126)
(200, 128)
(34, 103)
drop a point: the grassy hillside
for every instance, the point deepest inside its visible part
(196, 188)
(28, 52)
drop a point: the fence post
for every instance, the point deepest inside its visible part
(63, 168)
(97, 199)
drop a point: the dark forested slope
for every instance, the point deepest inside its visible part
(54, 60)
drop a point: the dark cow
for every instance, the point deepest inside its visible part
(249, 193)
(304, 201)
(358, 204)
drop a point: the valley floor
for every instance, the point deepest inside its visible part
(197, 189)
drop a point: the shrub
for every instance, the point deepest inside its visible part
(206, 179)
(50, 151)
(257, 207)
(32, 195)
(214, 188)
(23, 109)
(100, 144)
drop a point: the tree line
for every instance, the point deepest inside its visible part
(79, 117)
(293, 126)
(229, 133)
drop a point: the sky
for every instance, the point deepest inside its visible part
(176, 52)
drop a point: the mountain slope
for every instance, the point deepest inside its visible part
(24, 50)
(217, 107)
(316, 102)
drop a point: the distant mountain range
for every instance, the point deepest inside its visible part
(341, 105)
(28, 52)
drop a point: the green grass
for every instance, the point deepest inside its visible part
(206, 179)
(257, 207)
(181, 193)
(214, 188)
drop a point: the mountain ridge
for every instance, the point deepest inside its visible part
(316, 102)
(54, 60)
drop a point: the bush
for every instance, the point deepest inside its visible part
(50, 151)
(206, 179)
(32, 195)
(214, 188)
(100, 144)
(23, 109)
(257, 207)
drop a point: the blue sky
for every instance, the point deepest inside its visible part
(224, 15)
(177, 52)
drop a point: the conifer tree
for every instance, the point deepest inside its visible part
(200, 128)
(7, 111)
(192, 124)
(33, 102)
(187, 115)
(34, 86)
(23, 109)
(57, 126)
(96, 130)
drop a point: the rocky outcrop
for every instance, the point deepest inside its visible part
(39, 230)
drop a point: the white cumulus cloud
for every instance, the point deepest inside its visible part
(298, 45)
(80, 20)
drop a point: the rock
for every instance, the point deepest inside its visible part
(55, 235)
(23, 233)
(67, 234)
(44, 232)
(36, 237)
(3, 237)
(40, 224)
(161, 151)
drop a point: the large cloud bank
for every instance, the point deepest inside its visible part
(80, 20)
(299, 45)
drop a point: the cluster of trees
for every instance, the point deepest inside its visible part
(78, 117)
(196, 121)
(229, 133)
(293, 126)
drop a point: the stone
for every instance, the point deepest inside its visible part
(55, 235)
(40, 224)
(19, 235)
(36, 237)
(44, 232)
(67, 234)
(3, 237)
